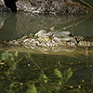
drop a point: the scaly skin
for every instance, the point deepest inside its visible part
(84, 41)
(53, 39)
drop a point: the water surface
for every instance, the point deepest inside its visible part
(45, 70)
(16, 25)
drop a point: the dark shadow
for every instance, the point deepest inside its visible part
(8, 28)
(11, 4)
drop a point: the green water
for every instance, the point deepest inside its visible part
(43, 70)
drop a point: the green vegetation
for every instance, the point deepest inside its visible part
(32, 35)
(14, 68)
(32, 74)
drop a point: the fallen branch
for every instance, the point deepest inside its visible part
(87, 4)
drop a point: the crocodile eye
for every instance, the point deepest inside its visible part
(46, 38)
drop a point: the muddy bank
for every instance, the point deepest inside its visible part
(52, 6)
(49, 7)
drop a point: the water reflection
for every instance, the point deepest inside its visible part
(8, 27)
(25, 23)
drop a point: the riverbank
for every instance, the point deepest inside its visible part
(61, 7)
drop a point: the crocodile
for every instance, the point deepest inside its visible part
(53, 39)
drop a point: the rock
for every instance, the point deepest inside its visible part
(52, 7)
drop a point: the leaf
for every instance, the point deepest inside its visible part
(28, 56)
(13, 67)
(58, 73)
(6, 56)
(30, 35)
(16, 54)
(12, 59)
(59, 83)
(12, 84)
(45, 78)
(31, 88)
(35, 37)
(69, 72)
